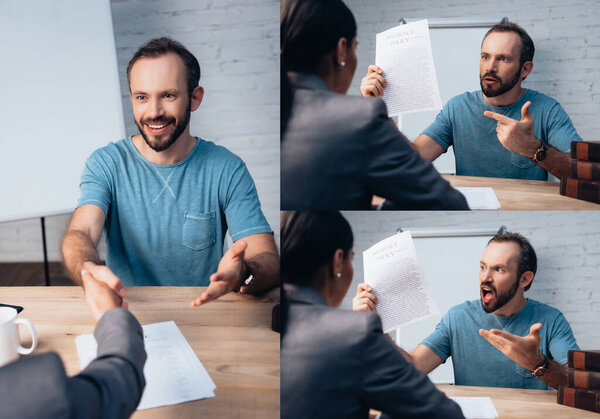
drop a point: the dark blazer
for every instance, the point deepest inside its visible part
(338, 151)
(338, 364)
(110, 387)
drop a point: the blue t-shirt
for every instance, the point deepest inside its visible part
(478, 151)
(476, 362)
(166, 224)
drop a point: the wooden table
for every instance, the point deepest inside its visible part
(514, 403)
(232, 337)
(520, 404)
(518, 194)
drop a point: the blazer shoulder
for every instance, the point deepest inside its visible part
(366, 108)
(356, 110)
(355, 323)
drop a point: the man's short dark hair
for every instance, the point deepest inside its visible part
(158, 47)
(527, 47)
(527, 260)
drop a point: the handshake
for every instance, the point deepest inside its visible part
(104, 290)
(101, 297)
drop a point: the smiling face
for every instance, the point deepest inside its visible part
(498, 274)
(160, 100)
(499, 65)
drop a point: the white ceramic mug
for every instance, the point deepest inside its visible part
(10, 344)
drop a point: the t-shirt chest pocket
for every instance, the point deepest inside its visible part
(199, 230)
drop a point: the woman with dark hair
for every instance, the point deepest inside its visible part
(338, 363)
(338, 151)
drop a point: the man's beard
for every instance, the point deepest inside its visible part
(501, 299)
(159, 146)
(502, 88)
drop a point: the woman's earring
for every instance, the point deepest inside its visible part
(338, 275)
(343, 64)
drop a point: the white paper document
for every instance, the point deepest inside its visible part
(393, 271)
(476, 407)
(173, 372)
(404, 54)
(480, 198)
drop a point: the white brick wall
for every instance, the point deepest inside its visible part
(566, 37)
(567, 245)
(237, 45)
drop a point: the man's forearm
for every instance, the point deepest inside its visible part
(77, 249)
(264, 268)
(556, 162)
(555, 375)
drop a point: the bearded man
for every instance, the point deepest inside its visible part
(504, 130)
(503, 339)
(165, 199)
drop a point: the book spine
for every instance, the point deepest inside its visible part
(584, 360)
(580, 189)
(581, 399)
(583, 150)
(585, 170)
(583, 379)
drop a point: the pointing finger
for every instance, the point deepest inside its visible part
(498, 117)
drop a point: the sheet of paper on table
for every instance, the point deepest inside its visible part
(404, 54)
(173, 372)
(480, 198)
(476, 407)
(393, 271)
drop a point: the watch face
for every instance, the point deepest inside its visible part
(540, 154)
(539, 372)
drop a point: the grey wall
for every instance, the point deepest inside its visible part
(566, 37)
(237, 45)
(567, 245)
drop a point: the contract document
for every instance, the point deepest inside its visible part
(480, 198)
(404, 54)
(173, 372)
(476, 407)
(393, 271)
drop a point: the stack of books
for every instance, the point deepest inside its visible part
(584, 182)
(583, 387)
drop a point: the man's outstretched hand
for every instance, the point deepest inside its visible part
(523, 351)
(228, 275)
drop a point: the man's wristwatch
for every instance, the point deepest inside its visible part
(541, 370)
(540, 153)
(246, 277)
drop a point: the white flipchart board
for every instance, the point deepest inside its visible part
(450, 261)
(60, 99)
(456, 46)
